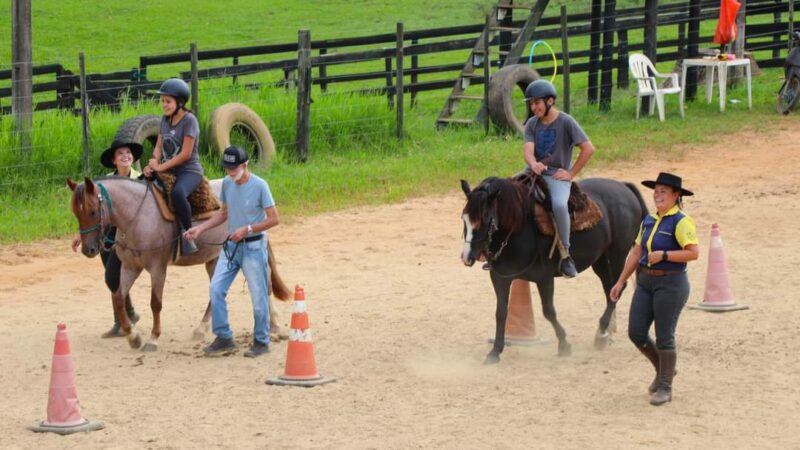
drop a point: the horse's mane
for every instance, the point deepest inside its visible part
(508, 199)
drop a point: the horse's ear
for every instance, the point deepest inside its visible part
(72, 185)
(465, 187)
(89, 185)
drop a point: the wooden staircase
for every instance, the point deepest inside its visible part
(480, 56)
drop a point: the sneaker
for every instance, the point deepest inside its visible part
(188, 247)
(257, 349)
(220, 345)
(567, 268)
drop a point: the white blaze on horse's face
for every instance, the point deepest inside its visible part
(468, 232)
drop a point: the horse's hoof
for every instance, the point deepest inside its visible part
(135, 342)
(150, 347)
(198, 334)
(565, 350)
(602, 341)
(491, 358)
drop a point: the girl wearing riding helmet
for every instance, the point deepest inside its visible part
(176, 151)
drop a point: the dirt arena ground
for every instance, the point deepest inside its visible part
(403, 325)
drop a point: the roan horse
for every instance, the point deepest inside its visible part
(499, 226)
(146, 241)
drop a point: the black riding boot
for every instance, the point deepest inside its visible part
(649, 351)
(116, 330)
(667, 360)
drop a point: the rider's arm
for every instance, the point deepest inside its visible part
(180, 158)
(586, 152)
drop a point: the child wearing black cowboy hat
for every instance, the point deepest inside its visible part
(120, 156)
(667, 240)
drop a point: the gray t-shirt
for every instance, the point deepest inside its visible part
(246, 202)
(553, 143)
(172, 141)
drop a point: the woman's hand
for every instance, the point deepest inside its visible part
(563, 175)
(616, 290)
(76, 243)
(655, 257)
(538, 168)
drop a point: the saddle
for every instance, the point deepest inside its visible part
(584, 212)
(202, 200)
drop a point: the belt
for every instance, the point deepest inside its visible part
(658, 272)
(257, 237)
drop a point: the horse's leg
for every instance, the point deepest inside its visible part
(605, 270)
(157, 276)
(127, 276)
(502, 287)
(546, 288)
(204, 325)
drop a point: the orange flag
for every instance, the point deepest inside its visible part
(726, 28)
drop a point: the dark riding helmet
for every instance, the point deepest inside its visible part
(540, 89)
(175, 87)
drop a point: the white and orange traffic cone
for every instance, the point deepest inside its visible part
(717, 296)
(301, 367)
(520, 327)
(63, 409)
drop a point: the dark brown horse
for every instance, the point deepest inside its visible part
(146, 241)
(499, 226)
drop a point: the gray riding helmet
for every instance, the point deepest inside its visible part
(540, 89)
(175, 87)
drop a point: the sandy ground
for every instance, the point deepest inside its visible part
(403, 325)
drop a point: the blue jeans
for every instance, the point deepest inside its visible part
(559, 196)
(251, 258)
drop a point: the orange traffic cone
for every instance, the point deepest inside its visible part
(63, 410)
(301, 367)
(717, 296)
(520, 327)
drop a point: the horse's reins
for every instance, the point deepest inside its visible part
(103, 198)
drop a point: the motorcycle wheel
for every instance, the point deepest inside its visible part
(788, 95)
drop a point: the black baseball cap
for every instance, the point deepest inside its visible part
(233, 157)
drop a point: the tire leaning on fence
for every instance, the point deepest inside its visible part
(236, 115)
(501, 94)
(141, 130)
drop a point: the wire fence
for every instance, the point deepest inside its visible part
(351, 84)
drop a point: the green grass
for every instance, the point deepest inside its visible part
(355, 158)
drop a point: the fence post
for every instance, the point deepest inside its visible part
(594, 49)
(84, 115)
(741, 39)
(776, 36)
(399, 83)
(650, 38)
(195, 80)
(22, 75)
(606, 80)
(681, 40)
(235, 63)
(791, 23)
(487, 66)
(389, 91)
(323, 71)
(303, 138)
(565, 59)
(414, 76)
(622, 59)
(692, 48)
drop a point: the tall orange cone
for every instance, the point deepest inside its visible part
(63, 410)
(717, 296)
(520, 327)
(301, 367)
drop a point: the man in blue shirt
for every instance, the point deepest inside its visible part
(248, 207)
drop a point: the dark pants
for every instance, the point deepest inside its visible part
(185, 184)
(113, 267)
(659, 300)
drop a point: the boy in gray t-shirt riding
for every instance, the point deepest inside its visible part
(550, 136)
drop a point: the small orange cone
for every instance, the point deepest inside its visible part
(717, 296)
(301, 367)
(63, 410)
(520, 327)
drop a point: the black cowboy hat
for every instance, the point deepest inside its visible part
(107, 158)
(668, 179)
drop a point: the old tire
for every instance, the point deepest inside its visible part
(501, 95)
(142, 130)
(236, 115)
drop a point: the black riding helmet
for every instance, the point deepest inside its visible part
(175, 87)
(540, 89)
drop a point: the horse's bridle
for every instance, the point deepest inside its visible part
(103, 198)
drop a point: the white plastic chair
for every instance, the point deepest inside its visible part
(647, 84)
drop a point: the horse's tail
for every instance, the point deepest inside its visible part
(279, 289)
(638, 195)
